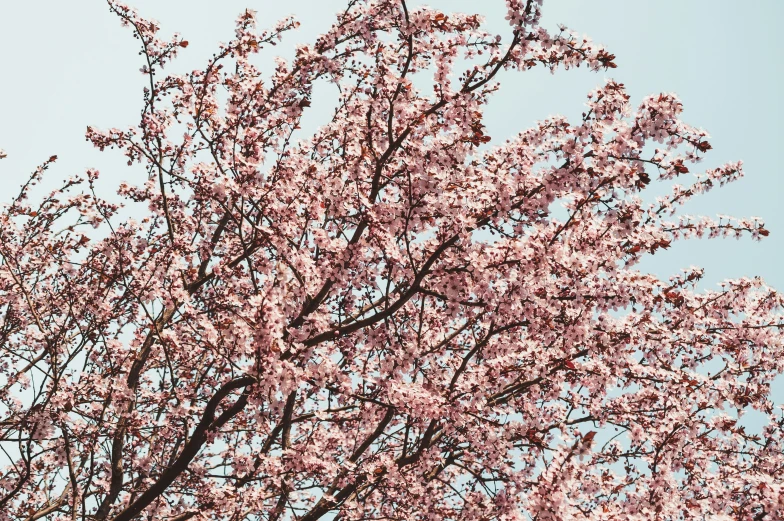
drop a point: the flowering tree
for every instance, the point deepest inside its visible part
(382, 320)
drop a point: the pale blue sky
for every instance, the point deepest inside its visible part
(69, 64)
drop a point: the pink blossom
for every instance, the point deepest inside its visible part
(385, 318)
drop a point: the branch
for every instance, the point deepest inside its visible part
(198, 438)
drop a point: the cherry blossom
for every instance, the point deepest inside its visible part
(384, 318)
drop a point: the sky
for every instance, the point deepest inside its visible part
(69, 64)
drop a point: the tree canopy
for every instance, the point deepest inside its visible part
(392, 317)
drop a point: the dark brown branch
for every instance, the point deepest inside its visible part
(118, 442)
(325, 505)
(197, 440)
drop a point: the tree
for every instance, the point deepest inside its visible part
(383, 320)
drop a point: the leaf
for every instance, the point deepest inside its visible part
(533, 436)
(680, 167)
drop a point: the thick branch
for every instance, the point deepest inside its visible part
(196, 441)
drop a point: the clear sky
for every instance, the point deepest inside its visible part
(69, 64)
